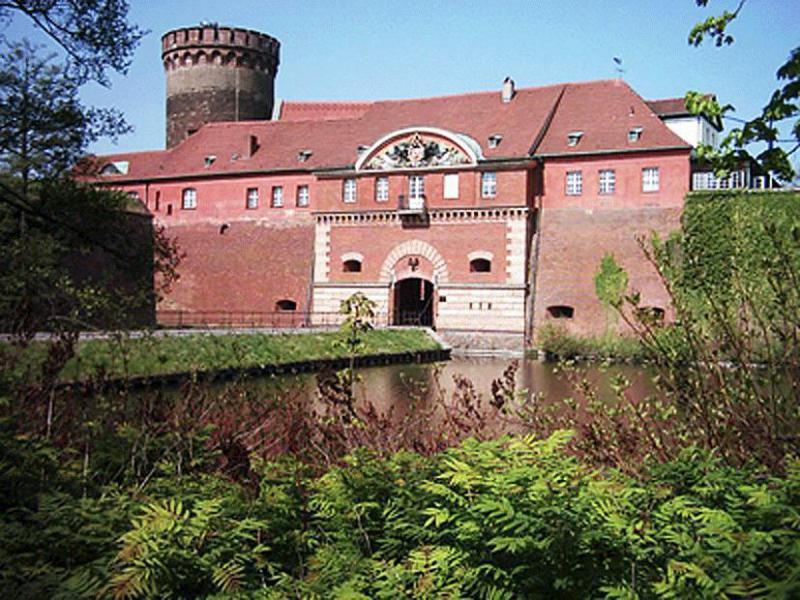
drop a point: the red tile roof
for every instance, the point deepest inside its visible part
(605, 111)
(537, 120)
(668, 106)
(319, 111)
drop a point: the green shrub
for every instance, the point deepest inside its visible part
(558, 343)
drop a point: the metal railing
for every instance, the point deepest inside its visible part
(283, 319)
(413, 318)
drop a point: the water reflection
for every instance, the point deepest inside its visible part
(401, 388)
(397, 385)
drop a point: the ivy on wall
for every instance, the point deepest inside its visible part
(731, 238)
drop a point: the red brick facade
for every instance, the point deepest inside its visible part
(504, 206)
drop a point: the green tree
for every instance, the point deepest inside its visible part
(610, 283)
(781, 111)
(95, 34)
(44, 127)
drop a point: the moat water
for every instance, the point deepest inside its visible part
(400, 386)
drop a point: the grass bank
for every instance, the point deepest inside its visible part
(164, 355)
(558, 344)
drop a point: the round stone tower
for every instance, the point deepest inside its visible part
(217, 74)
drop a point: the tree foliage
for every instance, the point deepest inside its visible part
(44, 128)
(95, 34)
(782, 110)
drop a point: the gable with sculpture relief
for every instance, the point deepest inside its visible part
(414, 150)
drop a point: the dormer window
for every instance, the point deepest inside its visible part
(574, 138)
(494, 140)
(634, 134)
(209, 160)
(304, 155)
(109, 169)
(362, 148)
(115, 168)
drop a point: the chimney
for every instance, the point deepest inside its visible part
(250, 145)
(507, 92)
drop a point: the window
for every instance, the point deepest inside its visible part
(302, 197)
(494, 140)
(574, 137)
(158, 200)
(451, 186)
(650, 179)
(277, 196)
(416, 187)
(282, 305)
(489, 184)
(480, 265)
(351, 266)
(252, 198)
(574, 183)
(382, 189)
(634, 134)
(349, 190)
(133, 195)
(608, 181)
(189, 199)
(110, 169)
(560, 312)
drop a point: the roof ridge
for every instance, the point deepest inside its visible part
(458, 94)
(329, 102)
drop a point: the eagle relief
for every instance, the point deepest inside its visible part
(417, 151)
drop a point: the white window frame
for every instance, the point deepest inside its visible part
(251, 198)
(607, 181)
(349, 190)
(302, 196)
(489, 184)
(574, 183)
(450, 186)
(651, 179)
(382, 189)
(416, 187)
(277, 196)
(189, 199)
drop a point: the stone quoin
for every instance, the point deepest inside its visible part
(483, 213)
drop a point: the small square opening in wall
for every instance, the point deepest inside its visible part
(561, 312)
(442, 298)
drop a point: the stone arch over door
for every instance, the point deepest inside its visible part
(415, 247)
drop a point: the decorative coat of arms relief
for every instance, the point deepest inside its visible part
(417, 151)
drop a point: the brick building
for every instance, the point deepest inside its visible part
(484, 212)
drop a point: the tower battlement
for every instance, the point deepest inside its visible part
(217, 74)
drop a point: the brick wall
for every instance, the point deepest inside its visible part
(512, 190)
(249, 267)
(577, 231)
(454, 241)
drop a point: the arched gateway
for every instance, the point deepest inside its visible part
(413, 269)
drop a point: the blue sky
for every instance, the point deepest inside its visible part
(379, 49)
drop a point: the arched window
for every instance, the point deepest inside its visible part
(189, 201)
(480, 265)
(351, 262)
(351, 266)
(560, 312)
(287, 305)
